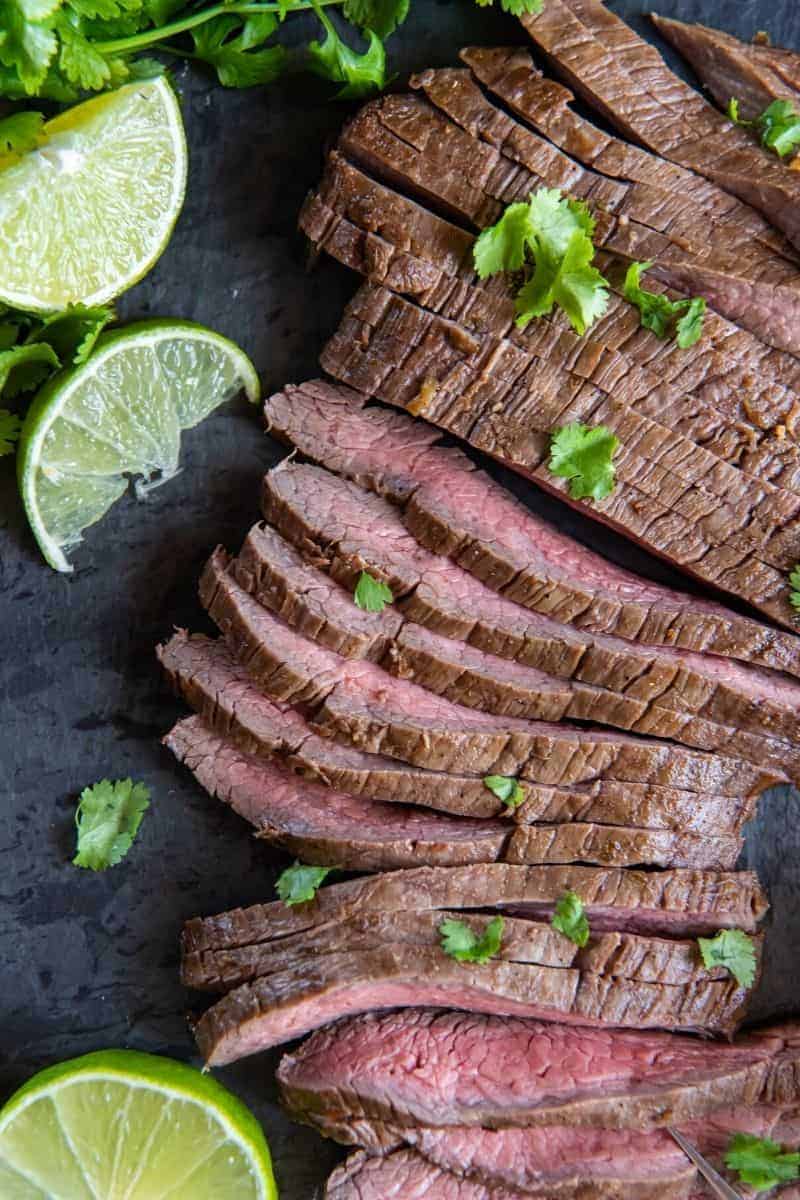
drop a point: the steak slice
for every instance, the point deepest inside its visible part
(205, 673)
(375, 712)
(677, 903)
(404, 1175)
(623, 955)
(532, 561)
(325, 826)
(628, 81)
(279, 1007)
(732, 394)
(421, 1068)
(755, 75)
(669, 492)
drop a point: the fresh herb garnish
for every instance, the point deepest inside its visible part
(506, 788)
(299, 883)
(10, 425)
(517, 8)
(459, 941)
(108, 818)
(761, 1163)
(550, 237)
(33, 347)
(570, 919)
(372, 594)
(794, 581)
(333, 59)
(584, 455)
(778, 126)
(734, 950)
(663, 316)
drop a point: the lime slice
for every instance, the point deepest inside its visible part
(86, 215)
(118, 1125)
(120, 414)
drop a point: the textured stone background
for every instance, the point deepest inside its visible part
(90, 961)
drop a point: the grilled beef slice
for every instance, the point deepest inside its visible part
(733, 394)
(668, 693)
(404, 1175)
(672, 496)
(623, 955)
(278, 1007)
(627, 80)
(324, 826)
(755, 75)
(677, 904)
(420, 1068)
(500, 541)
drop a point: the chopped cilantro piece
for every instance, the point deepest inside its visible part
(108, 818)
(761, 1163)
(734, 950)
(662, 315)
(333, 59)
(234, 47)
(778, 125)
(372, 594)
(299, 883)
(570, 919)
(584, 455)
(459, 941)
(506, 788)
(794, 581)
(10, 425)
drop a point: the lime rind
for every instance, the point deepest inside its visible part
(124, 1123)
(119, 415)
(87, 214)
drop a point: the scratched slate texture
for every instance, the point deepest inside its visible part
(90, 961)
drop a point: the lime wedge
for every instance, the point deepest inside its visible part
(118, 1125)
(120, 414)
(86, 214)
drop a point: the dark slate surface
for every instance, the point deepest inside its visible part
(90, 961)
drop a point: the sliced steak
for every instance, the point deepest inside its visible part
(730, 68)
(552, 573)
(673, 903)
(325, 826)
(279, 1007)
(404, 1175)
(211, 680)
(421, 1068)
(616, 846)
(629, 82)
(376, 712)
(669, 492)
(622, 955)
(732, 394)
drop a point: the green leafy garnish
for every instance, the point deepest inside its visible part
(506, 788)
(734, 950)
(236, 51)
(761, 1163)
(553, 234)
(10, 426)
(20, 133)
(459, 941)
(23, 368)
(570, 919)
(372, 594)
(108, 818)
(381, 16)
(33, 347)
(333, 59)
(662, 315)
(72, 334)
(794, 581)
(517, 8)
(778, 126)
(584, 455)
(299, 883)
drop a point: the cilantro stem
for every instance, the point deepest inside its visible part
(150, 37)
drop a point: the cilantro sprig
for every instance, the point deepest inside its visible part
(760, 1162)
(794, 583)
(372, 594)
(585, 456)
(463, 944)
(778, 126)
(507, 789)
(108, 817)
(665, 317)
(570, 918)
(299, 883)
(733, 950)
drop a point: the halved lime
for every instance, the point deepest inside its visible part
(120, 414)
(86, 214)
(119, 1125)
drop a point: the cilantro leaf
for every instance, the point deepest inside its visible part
(80, 61)
(761, 1163)
(108, 818)
(734, 950)
(299, 883)
(794, 581)
(333, 59)
(103, 10)
(733, 112)
(381, 16)
(570, 919)
(780, 127)
(577, 287)
(503, 246)
(689, 328)
(230, 44)
(660, 314)
(459, 941)
(20, 132)
(72, 334)
(372, 594)
(517, 8)
(23, 368)
(584, 455)
(10, 426)
(506, 788)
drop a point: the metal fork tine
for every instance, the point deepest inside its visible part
(718, 1185)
